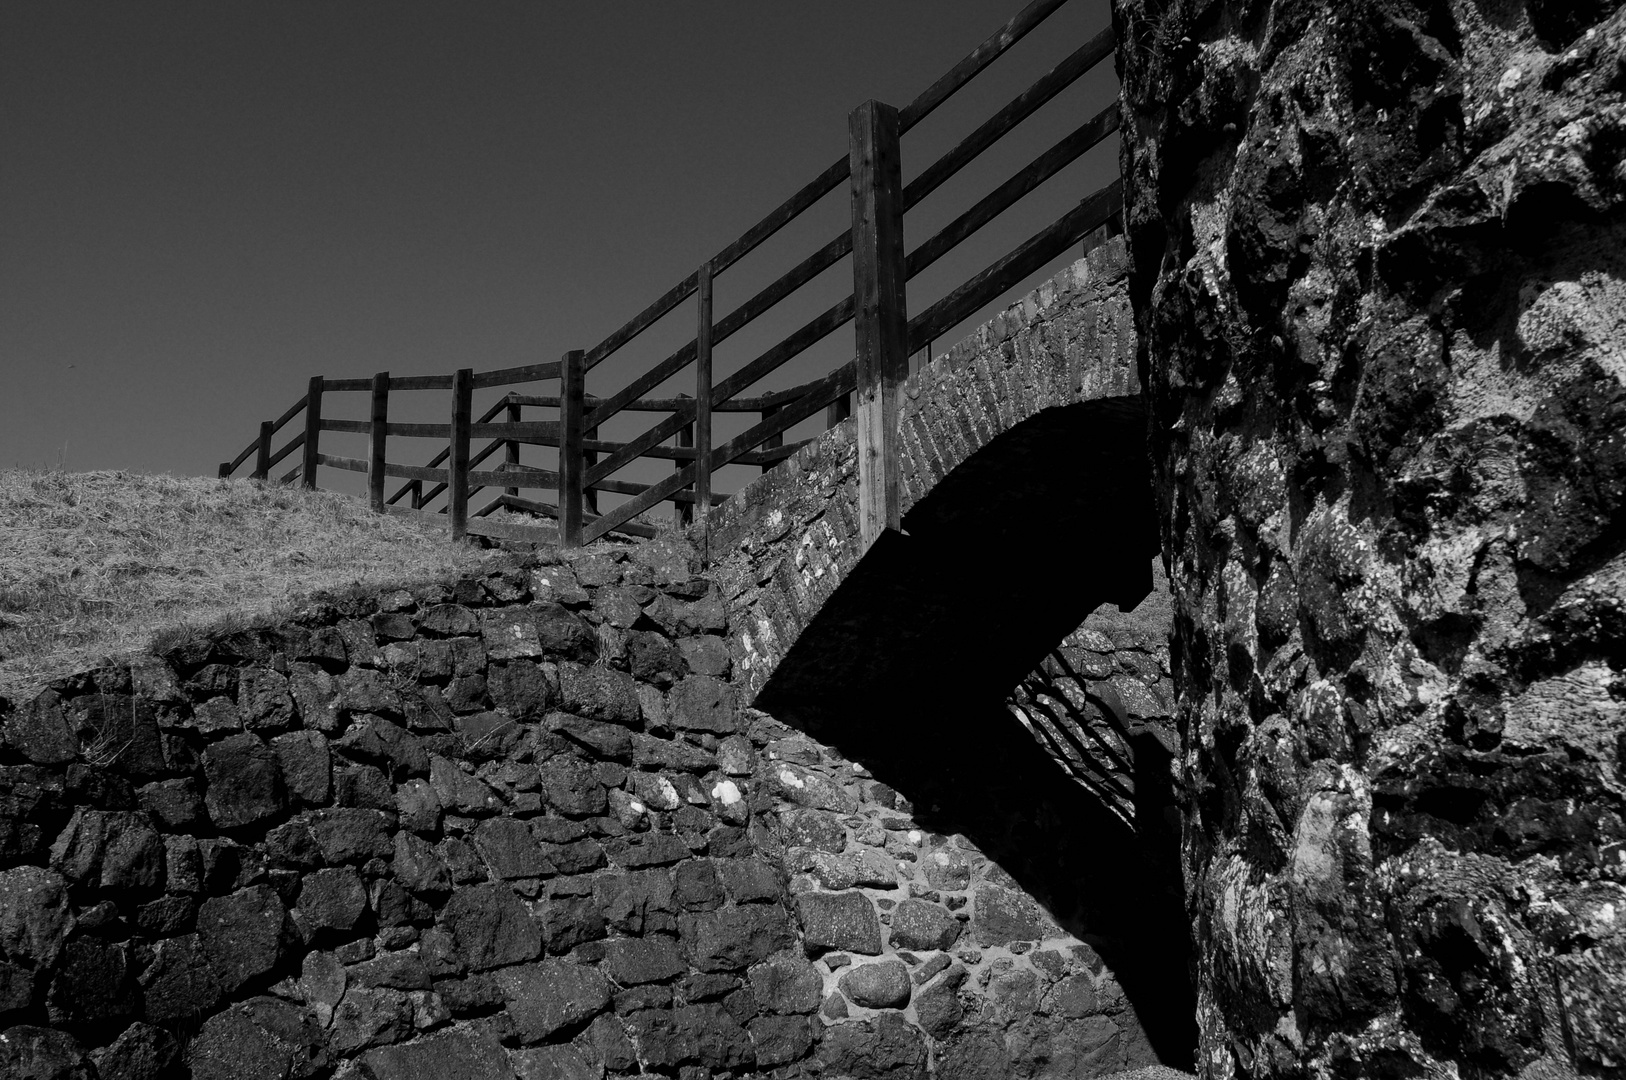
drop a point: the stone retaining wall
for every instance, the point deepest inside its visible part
(518, 826)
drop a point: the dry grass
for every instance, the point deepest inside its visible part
(95, 565)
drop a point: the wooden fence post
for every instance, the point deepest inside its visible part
(313, 433)
(683, 516)
(417, 494)
(880, 318)
(377, 431)
(589, 459)
(571, 393)
(262, 455)
(772, 442)
(457, 460)
(510, 449)
(702, 405)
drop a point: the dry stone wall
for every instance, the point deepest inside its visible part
(514, 826)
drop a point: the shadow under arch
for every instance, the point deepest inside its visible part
(907, 666)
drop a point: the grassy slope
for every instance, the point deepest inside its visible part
(93, 565)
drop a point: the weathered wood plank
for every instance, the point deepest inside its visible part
(621, 517)
(524, 431)
(701, 432)
(457, 467)
(349, 464)
(345, 385)
(515, 478)
(1042, 168)
(880, 328)
(511, 530)
(313, 431)
(510, 447)
(293, 444)
(421, 382)
(417, 473)
(292, 411)
(984, 54)
(262, 456)
(1020, 108)
(354, 427)
(737, 450)
(1029, 256)
(571, 430)
(379, 432)
(420, 431)
(508, 376)
(640, 322)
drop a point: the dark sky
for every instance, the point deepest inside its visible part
(203, 204)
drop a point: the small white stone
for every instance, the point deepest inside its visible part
(1510, 79)
(726, 792)
(790, 779)
(636, 806)
(916, 836)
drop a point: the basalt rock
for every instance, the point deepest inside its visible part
(1377, 276)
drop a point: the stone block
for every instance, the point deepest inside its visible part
(570, 921)
(370, 1017)
(703, 703)
(244, 935)
(418, 806)
(635, 961)
(843, 921)
(647, 849)
(563, 635)
(552, 995)
(780, 1040)
(39, 732)
(448, 620)
(388, 745)
(28, 1052)
(261, 1039)
(704, 1035)
(459, 792)
(599, 693)
(732, 939)
(333, 899)
(938, 1009)
(608, 741)
(1001, 916)
(882, 985)
(510, 850)
(521, 689)
(363, 690)
(352, 834)
(649, 752)
(244, 782)
(466, 1054)
(887, 1046)
(570, 786)
(141, 1052)
(418, 866)
(307, 766)
(917, 924)
(180, 982)
(787, 982)
(491, 927)
(510, 634)
(555, 1063)
(93, 985)
(264, 701)
(810, 789)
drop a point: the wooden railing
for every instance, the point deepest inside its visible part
(884, 337)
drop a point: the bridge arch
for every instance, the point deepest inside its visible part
(1027, 506)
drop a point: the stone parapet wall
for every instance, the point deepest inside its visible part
(782, 545)
(514, 826)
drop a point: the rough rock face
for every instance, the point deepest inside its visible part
(1378, 270)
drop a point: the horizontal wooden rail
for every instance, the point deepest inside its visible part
(334, 461)
(1019, 26)
(356, 427)
(277, 425)
(509, 376)
(293, 444)
(419, 431)
(421, 382)
(838, 383)
(341, 385)
(1028, 257)
(1042, 168)
(1020, 108)
(522, 477)
(441, 457)
(413, 472)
